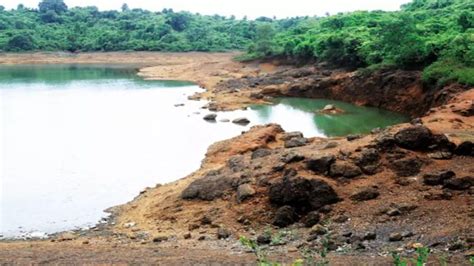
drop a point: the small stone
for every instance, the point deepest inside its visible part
(202, 238)
(318, 230)
(187, 236)
(224, 120)
(320, 164)
(260, 153)
(264, 239)
(206, 220)
(456, 246)
(329, 107)
(223, 233)
(347, 234)
(159, 239)
(365, 194)
(441, 155)
(394, 237)
(393, 212)
(370, 236)
(344, 169)
(292, 157)
(340, 218)
(353, 137)
(192, 227)
(85, 242)
(408, 234)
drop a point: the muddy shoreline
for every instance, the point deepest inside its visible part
(166, 220)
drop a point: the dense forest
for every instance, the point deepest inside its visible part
(434, 35)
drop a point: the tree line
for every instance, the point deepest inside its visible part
(436, 36)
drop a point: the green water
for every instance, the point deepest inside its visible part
(355, 120)
(60, 74)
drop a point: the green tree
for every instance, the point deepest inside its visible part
(125, 7)
(57, 6)
(264, 44)
(21, 42)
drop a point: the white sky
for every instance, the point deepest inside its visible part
(239, 8)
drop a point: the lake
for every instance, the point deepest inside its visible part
(77, 139)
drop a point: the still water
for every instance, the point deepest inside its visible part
(77, 139)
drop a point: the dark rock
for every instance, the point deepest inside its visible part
(421, 138)
(236, 163)
(406, 167)
(385, 140)
(368, 157)
(437, 178)
(320, 164)
(241, 121)
(344, 169)
(202, 238)
(260, 153)
(187, 236)
(296, 142)
(353, 137)
(414, 138)
(304, 194)
(346, 234)
(206, 220)
(292, 157)
(208, 187)
(311, 219)
(340, 218)
(394, 237)
(462, 183)
(210, 117)
(264, 239)
(244, 192)
(407, 234)
(325, 209)
(159, 239)
(416, 121)
(284, 216)
(312, 237)
(223, 233)
(365, 194)
(443, 195)
(292, 135)
(466, 148)
(458, 245)
(370, 236)
(279, 167)
(192, 227)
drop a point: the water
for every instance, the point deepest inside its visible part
(77, 139)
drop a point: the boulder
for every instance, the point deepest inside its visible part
(241, 121)
(466, 148)
(260, 153)
(437, 178)
(244, 192)
(284, 216)
(320, 164)
(365, 194)
(292, 157)
(210, 117)
(291, 135)
(311, 219)
(296, 142)
(406, 167)
(463, 183)
(208, 187)
(344, 169)
(414, 138)
(264, 239)
(301, 193)
(353, 137)
(236, 163)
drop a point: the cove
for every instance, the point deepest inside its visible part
(78, 139)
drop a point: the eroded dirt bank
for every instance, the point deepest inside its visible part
(362, 196)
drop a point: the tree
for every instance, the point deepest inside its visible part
(466, 20)
(21, 42)
(50, 16)
(125, 7)
(264, 44)
(57, 6)
(2, 8)
(178, 21)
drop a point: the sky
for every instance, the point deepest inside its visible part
(239, 8)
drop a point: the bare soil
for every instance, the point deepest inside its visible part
(161, 226)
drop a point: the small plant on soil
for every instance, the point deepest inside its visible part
(262, 259)
(420, 260)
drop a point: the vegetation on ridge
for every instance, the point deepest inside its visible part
(436, 36)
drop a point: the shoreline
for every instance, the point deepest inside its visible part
(163, 214)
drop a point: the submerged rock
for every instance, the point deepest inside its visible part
(210, 117)
(241, 121)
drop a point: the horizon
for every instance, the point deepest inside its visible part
(243, 8)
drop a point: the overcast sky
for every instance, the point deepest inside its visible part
(239, 8)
